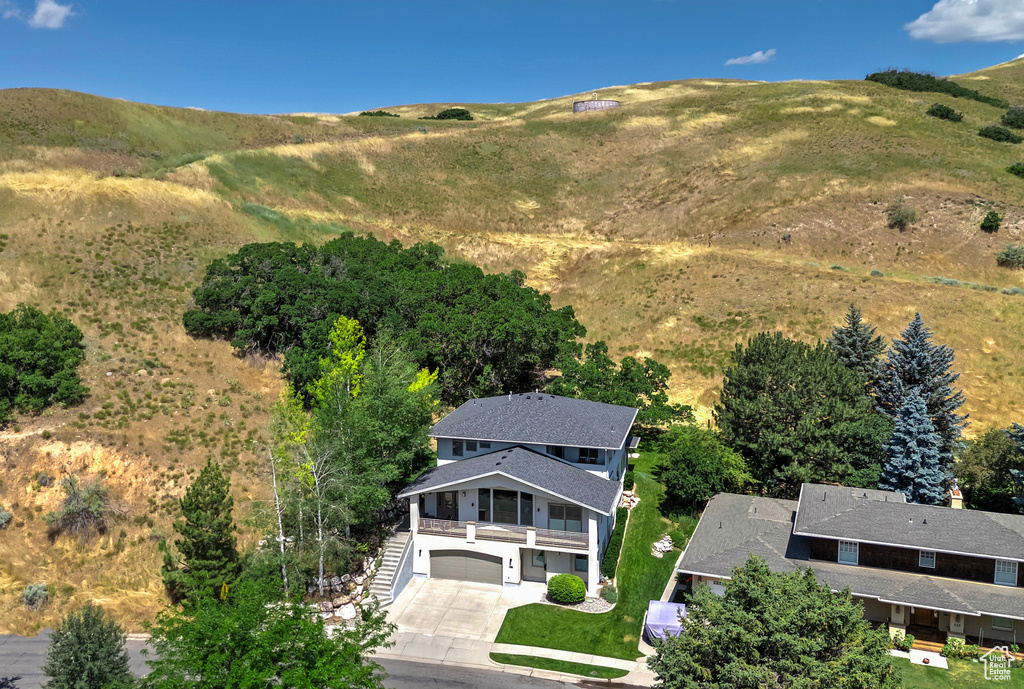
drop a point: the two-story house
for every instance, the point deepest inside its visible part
(525, 487)
(924, 567)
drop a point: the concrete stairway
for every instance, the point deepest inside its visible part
(385, 576)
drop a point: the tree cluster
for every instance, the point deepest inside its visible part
(39, 359)
(774, 630)
(484, 334)
(916, 81)
(695, 465)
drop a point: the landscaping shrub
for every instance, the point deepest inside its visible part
(991, 222)
(1014, 117)
(35, 596)
(611, 553)
(944, 112)
(901, 215)
(1016, 169)
(958, 648)
(627, 480)
(566, 589)
(903, 642)
(5, 518)
(609, 593)
(377, 113)
(1000, 134)
(916, 81)
(451, 114)
(1012, 256)
(877, 274)
(678, 538)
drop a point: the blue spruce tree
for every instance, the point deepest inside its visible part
(914, 466)
(915, 362)
(858, 347)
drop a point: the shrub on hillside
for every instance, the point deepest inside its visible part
(944, 112)
(877, 274)
(901, 215)
(1012, 256)
(39, 359)
(1000, 134)
(1014, 117)
(84, 510)
(991, 222)
(916, 81)
(611, 554)
(451, 114)
(35, 596)
(5, 518)
(567, 589)
(377, 113)
(1016, 169)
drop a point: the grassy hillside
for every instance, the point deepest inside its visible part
(696, 214)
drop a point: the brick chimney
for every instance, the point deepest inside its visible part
(956, 498)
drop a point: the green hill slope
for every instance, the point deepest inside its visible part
(696, 214)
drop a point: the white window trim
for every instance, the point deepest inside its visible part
(1008, 628)
(921, 558)
(856, 553)
(1014, 567)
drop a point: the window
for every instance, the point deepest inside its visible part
(505, 507)
(1006, 572)
(456, 448)
(470, 446)
(565, 518)
(483, 496)
(556, 451)
(848, 552)
(588, 455)
(1003, 623)
(926, 558)
(581, 563)
(485, 444)
(538, 558)
(423, 505)
(526, 509)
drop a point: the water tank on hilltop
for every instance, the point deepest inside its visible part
(590, 105)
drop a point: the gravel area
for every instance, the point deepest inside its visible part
(588, 605)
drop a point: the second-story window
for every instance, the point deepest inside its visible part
(1006, 572)
(848, 552)
(456, 448)
(485, 444)
(926, 558)
(470, 446)
(556, 451)
(588, 455)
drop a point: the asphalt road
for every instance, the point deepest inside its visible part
(23, 657)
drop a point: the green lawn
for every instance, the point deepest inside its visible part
(641, 578)
(962, 674)
(581, 669)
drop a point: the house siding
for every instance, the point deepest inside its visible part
(610, 463)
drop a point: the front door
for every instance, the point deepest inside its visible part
(924, 617)
(448, 505)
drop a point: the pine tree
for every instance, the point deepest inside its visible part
(857, 346)
(206, 553)
(87, 652)
(914, 466)
(915, 362)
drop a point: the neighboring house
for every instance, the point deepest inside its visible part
(525, 487)
(929, 568)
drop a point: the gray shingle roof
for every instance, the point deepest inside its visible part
(884, 517)
(541, 419)
(763, 527)
(549, 475)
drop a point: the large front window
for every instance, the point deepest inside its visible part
(848, 552)
(588, 455)
(483, 497)
(1002, 623)
(565, 518)
(505, 506)
(1006, 572)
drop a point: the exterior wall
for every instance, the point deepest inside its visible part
(906, 560)
(876, 611)
(982, 627)
(608, 461)
(714, 583)
(511, 566)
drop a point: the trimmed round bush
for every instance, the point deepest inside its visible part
(566, 589)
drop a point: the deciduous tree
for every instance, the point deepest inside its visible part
(983, 467)
(696, 464)
(87, 652)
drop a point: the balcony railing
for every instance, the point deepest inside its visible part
(507, 533)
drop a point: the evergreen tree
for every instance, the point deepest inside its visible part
(1016, 434)
(857, 346)
(915, 362)
(87, 652)
(796, 415)
(914, 466)
(206, 553)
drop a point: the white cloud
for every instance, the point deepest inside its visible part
(49, 14)
(952, 21)
(8, 10)
(761, 56)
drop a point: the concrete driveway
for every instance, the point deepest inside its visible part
(458, 609)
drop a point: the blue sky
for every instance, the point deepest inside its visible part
(338, 56)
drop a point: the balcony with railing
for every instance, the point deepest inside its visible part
(507, 533)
